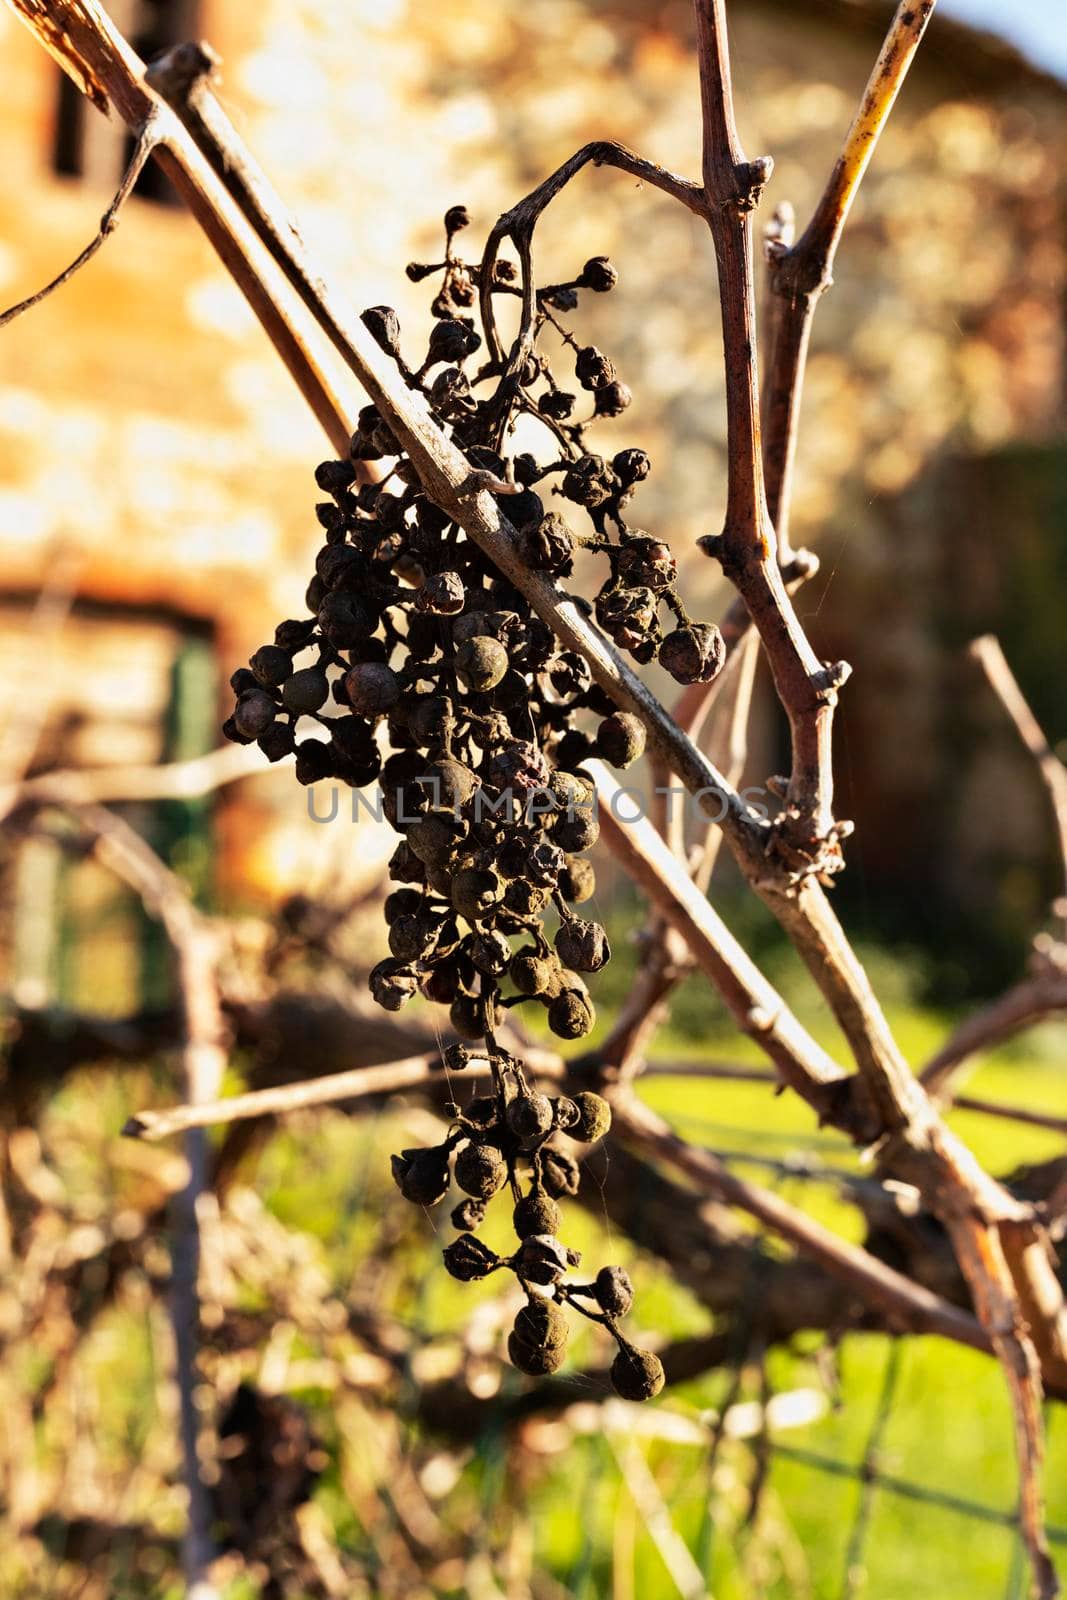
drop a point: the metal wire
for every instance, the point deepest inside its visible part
(799, 1166)
(869, 1469)
(908, 1490)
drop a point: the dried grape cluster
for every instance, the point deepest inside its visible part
(416, 645)
(482, 1153)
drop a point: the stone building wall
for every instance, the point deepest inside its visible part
(145, 423)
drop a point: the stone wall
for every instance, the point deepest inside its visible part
(144, 421)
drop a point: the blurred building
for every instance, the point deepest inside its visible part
(153, 454)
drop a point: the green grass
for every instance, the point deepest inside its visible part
(950, 1426)
(949, 1429)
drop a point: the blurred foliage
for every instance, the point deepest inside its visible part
(306, 1267)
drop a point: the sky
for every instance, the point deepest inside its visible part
(1036, 27)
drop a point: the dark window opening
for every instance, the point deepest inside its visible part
(68, 153)
(87, 145)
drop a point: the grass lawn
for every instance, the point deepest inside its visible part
(947, 1431)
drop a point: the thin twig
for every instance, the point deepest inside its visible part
(805, 834)
(121, 849)
(390, 1077)
(800, 273)
(665, 960)
(917, 1493)
(729, 745)
(1026, 1004)
(175, 780)
(147, 137)
(990, 657)
(1044, 992)
(737, 1072)
(756, 1006)
(29, 711)
(978, 1250)
(89, 47)
(648, 1501)
(875, 1282)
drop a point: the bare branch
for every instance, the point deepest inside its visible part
(730, 746)
(175, 780)
(979, 1252)
(204, 1059)
(1011, 1113)
(875, 1282)
(800, 273)
(1023, 1006)
(805, 835)
(665, 960)
(737, 1072)
(518, 223)
(1044, 992)
(990, 657)
(147, 139)
(756, 1006)
(29, 713)
(392, 1076)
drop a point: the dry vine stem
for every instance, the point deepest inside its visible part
(121, 849)
(800, 273)
(990, 657)
(998, 1241)
(903, 1302)
(1043, 993)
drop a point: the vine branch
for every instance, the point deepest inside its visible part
(997, 1239)
(801, 272)
(146, 139)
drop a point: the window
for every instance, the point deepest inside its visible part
(98, 149)
(123, 687)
